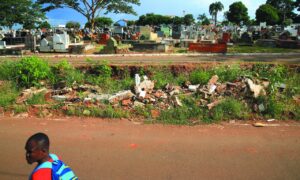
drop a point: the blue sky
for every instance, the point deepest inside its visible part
(163, 7)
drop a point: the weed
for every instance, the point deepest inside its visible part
(30, 70)
(162, 77)
(107, 112)
(228, 73)
(19, 109)
(229, 109)
(200, 77)
(8, 94)
(274, 108)
(7, 69)
(37, 99)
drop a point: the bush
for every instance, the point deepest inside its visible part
(7, 69)
(30, 70)
(229, 109)
(8, 94)
(162, 77)
(229, 73)
(200, 77)
(65, 72)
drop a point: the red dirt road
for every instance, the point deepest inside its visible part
(118, 149)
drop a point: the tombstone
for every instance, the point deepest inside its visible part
(61, 42)
(30, 42)
(245, 39)
(2, 44)
(45, 46)
(111, 46)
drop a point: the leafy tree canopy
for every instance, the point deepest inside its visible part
(238, 13)
(214, 8)
(267, 13)
(188, 19)
(73, 24)
(203, 20)
(101, 22)
(23, 12)
(285, 8)
(44, 24)
(91, 8)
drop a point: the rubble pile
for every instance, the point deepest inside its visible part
(144, 93)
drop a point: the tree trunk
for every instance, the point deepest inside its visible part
(216, 19)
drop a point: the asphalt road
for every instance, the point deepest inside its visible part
(119, 149)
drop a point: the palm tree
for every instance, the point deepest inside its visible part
(214, 8)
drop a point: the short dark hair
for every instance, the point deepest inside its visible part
(41, 139)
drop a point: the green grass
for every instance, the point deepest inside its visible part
(257, 49)
(102, 112)
(200, 77)
(229, 109)
(19, 109)
(37, 99)
(8, 94)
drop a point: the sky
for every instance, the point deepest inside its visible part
(163, 7)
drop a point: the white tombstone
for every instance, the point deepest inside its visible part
(45, 46)
(61, 42)
(2, 44)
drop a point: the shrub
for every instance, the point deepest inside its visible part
(65, 72)
(200, 77)
(229, 109)
(103, 69)
(228, 73)
(30, 70)
(162, 77)
(7, 69)
(8, 94)
(274, 108)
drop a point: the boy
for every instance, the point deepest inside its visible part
(49, 166)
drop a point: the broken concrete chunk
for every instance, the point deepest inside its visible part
(256, 89)
(99, 97)
(214, 79)
(138, 104)
(212, 89)
(193, 88)
(59, 98)
(28, 93)
(213, 104)
(177, 102)
(175, 92)
(121, 95)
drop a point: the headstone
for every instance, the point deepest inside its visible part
(2, 44)
(61, 42)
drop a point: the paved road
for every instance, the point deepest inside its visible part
(118, 149)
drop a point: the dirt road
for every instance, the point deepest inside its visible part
(118, 149)
(171, 59)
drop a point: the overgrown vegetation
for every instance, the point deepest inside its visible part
(279, 102)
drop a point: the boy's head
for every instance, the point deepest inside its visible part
(37, 148)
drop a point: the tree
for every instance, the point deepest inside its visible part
(285, 8)
(188, 19)
(297, 5)
(91, 8)
(238, 13)
(153, 19)
(73, 25)
(203, 20)
(214, 8)
(101, 22)
(267, 13)
(131, 23)
(23, 12)
(44, 24)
